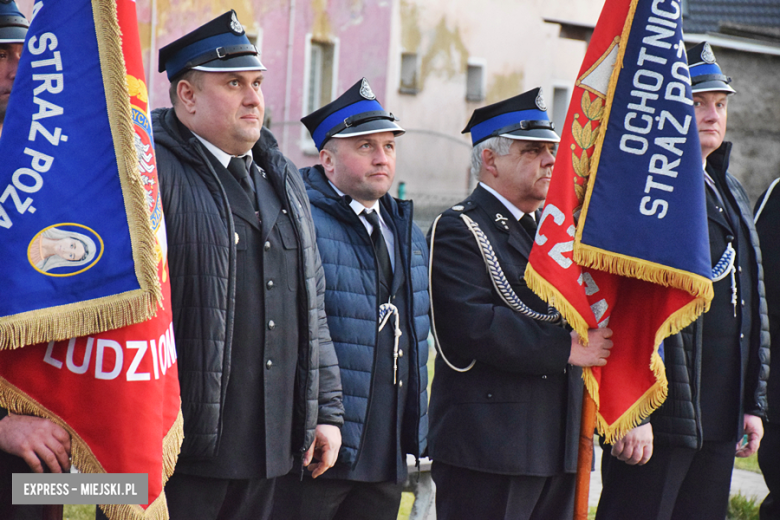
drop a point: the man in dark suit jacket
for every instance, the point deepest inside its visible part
(506, 399)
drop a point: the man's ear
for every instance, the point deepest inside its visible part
(328, 162)
(489, 162)
(186, 93)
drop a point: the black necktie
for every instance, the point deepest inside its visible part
(529, 224)
(237, 167)
(380, 246)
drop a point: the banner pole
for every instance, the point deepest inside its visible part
(584, 457)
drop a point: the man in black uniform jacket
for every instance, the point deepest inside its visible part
(679, 463)
(503, 434)
(768, 228)
(259, 376)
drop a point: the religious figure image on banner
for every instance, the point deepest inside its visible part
(58, 251)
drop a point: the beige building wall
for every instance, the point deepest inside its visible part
(517, 51)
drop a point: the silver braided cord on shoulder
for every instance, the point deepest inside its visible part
(436, 343)
(499, 280)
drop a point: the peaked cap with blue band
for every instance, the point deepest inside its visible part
(706, 75)
(523, 117)
(355, 112)
(13, 24)
(220, 45)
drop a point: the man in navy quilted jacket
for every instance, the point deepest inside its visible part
(375, 260)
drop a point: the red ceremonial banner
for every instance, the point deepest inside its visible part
(642, 301)
(115, 392)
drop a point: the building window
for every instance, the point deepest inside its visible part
(319, 82)
(320, 87)
(560, 105)
(475, 80)
(408, 73)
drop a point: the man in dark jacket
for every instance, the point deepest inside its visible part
(506, 399)
(376, 299)
(258, 373)
(679, 464)
(768, 228)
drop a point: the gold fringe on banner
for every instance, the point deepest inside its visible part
(172, 446)
(656, 394)
(18, 402)
(698, 286)
(623, 265)
(549, 293)
(119, 310)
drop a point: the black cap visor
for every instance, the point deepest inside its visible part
(371, 127)
(715, 85)
(236, 63)
(12, 34)
(535, 134)
(528, 131)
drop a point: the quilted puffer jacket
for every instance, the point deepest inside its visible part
(200, 229)
(351, 303)
(678, 421)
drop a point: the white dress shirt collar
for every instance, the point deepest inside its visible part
(222, 156)
(356, 206)
(516, 213)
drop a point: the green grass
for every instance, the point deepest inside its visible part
(749, 463)
(742, 508)
(407, 500)
(79, 513)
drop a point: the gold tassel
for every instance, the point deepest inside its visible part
(112, 63)
(616, 263)
(549, 293)
(80, 319)
(172, 447)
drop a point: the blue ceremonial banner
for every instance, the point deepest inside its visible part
(79, 253)
(626, 242)
(645, 210)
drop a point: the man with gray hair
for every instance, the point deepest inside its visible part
(506, 400)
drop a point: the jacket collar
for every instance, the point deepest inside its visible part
(184, 144)
(718, 161)
(503, 220)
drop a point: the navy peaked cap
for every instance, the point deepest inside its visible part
(221, 45)
(523, 117)
(13, 24)
(355, 112)
(706, 75)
